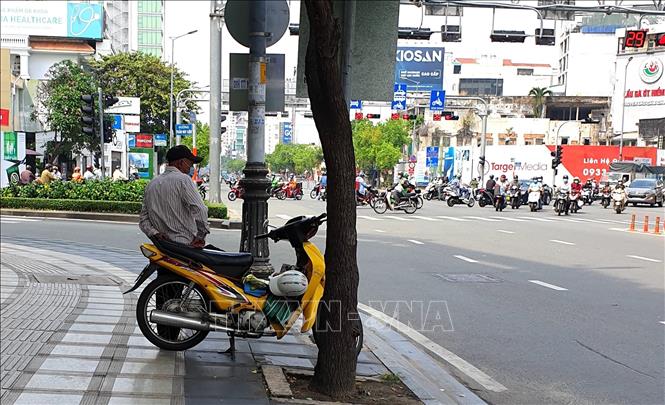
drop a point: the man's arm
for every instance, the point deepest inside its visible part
(199, 211)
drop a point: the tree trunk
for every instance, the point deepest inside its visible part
(334, 373)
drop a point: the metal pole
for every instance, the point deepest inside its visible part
(255, 182)
(483, 144)
(194, 138)
(100, 104)
(623, 107)
(347, 47)
(216, 21)
(171, 97)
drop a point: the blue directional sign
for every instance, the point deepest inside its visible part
(420, 67)
(183, 129)
(117, 121)
(356, 104)
(161, 140)
(399, 97)
(432, 156)
(131, 140)
(437, 100)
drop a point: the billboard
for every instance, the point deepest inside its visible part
(420, 68)
(285, 133)
(53, 19)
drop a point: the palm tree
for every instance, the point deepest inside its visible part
(539, 94)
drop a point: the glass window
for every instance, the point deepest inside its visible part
(481, 87)
(457, 69)
(524, 72)
(150, 7)
(150, 22)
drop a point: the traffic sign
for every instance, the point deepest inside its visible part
(236, 16)
(183, 129)
(437, 100)
(161, 140)
(399, 97)
(131, 141)
(432, 156)
(117, 121)
(413, 159)
(356, 104)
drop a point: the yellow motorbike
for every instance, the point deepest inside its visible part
(202, 290)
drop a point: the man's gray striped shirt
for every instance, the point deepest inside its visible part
(172, 206)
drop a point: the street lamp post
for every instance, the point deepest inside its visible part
(623, 107)
(171, 130)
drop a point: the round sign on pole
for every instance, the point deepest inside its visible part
(236, 17)
(412, 165)
(413, 158)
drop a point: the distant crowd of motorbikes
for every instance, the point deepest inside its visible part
(403, 195)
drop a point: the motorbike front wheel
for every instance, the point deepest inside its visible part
(165, 294)
(281, 195)
(471, 202)
(299, 196)
(232, 196)
(312, 194)
(202, 191)
(410, 207)
(380, 205)
(428, 196)
(419, 202)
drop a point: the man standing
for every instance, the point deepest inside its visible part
(172, 207)
(27, 176)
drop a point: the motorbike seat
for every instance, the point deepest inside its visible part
(232, 265)
(411, 194)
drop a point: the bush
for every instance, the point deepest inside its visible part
(104, 190)
(123, 207)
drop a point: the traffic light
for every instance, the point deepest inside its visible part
(88, 118)
(109, 100)
(481, 160)
(394, 116)
(450, 116)
(547, 38)
(409, 117)
(373, 116)
(508, 36)
(557, 155)
(436, 117)
(108, 130)
(414, 33)
(358, 116)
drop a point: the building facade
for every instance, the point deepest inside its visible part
(135, 26)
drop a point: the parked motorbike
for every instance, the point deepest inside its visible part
(459, 196)
(406, 204)
(534, 200)
(576, 202)
(483, 197)
(202, 290)
(619, 200)
(561, 202)
(431, 191)
(514, 197)
(236, 191)
(605, 199)
(288, 192)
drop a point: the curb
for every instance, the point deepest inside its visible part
(106, 216)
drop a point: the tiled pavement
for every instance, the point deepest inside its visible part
(70, 336)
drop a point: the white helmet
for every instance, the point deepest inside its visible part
(290, 283)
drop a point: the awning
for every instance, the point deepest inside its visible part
(61, 46)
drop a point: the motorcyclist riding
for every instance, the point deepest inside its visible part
(489, 186)
(361, 185)
(576, 187)
(400, 189)
(537, 186)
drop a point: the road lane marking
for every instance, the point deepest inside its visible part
(466, 259)
(415, 242)
(482, 218)
(577, 221)
(503, 231)
(510, 219)
(595, 221)
(452, 218)
(282, 216)
(380, 231)
(563, 242)
(447, 356)
(20, 219)
(398, 218)
(643, 258)
(537, 219)
(552, 286)
(425, 218)
(369, 218)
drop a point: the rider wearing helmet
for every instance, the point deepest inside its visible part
(489, 186)
(576, 187)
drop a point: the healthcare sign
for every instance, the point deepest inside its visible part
(67, 19)
(421, 68)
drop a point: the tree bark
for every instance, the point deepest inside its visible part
(334, 373)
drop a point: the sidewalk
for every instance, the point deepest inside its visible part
(69, 336)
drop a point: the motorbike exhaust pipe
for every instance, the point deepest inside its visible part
(180, 321)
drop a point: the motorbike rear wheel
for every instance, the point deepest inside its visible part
(419, 202)
(450, 201)
(312, 194)
(299, 196)
(232, 196)
(281, 195)
(410, 207)
(471, 202)
(163, 293)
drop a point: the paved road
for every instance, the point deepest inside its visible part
(556, 310)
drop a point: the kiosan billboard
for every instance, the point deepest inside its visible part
(70, 19)
(421, 68)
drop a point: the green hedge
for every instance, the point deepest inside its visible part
(124, 207)
(104, 190)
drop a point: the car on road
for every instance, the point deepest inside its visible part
(645, 191)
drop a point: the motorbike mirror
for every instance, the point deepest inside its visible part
(266, 224)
